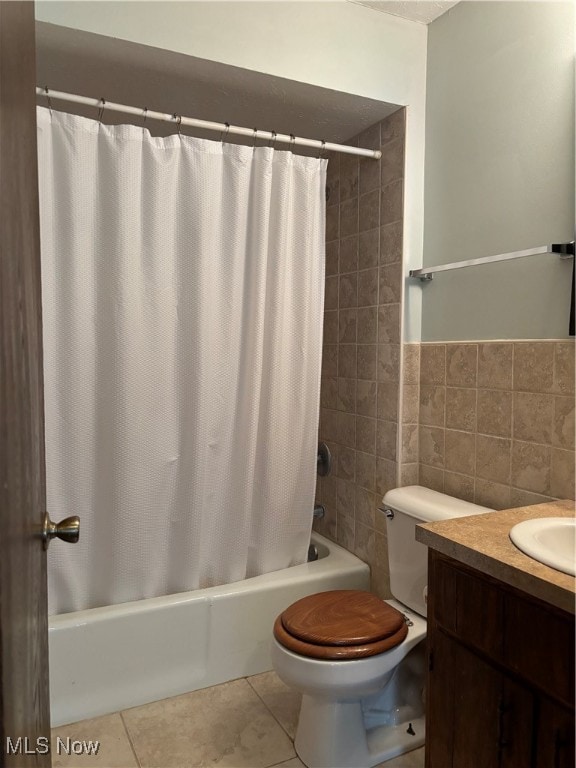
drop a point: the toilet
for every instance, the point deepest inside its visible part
(359, 661)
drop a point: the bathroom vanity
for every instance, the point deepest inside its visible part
(500, 688)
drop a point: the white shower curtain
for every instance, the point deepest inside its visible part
(182, 285)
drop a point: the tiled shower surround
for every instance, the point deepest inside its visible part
(361, 353)
(496, 420)
(489, 422)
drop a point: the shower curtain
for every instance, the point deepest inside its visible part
(182, 286)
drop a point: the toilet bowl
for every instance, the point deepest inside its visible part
(360, 661)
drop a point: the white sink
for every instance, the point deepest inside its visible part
(550, 540)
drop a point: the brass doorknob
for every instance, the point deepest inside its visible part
(67, 530)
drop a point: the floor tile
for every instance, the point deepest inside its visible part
(114, 751)
(294, 763)
(283, 702)
(227, 725)
(414, 759)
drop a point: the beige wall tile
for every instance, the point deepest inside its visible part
(390, 284)
(345, 531)
(369, 138)
(386, 437)
(533, 366)
(391, 202)
(493, 495)
(433, 364)
(329, 424)
(348, 254)
(432, 405)
(391, 243)
(365, 543)
(366, 503)
(386, 476)
(347, 395)
(369, 211)
(369, 249)
(519, 498)
(564, 368)
(388, 365)
(460, 452)
(410, 443)
(367, 324)
(347, 361)
(411, 364)
(332, 222)
(366, 398)
(348, 216)
(459, 486)
(562, 474)
(408, 474)
(392, 127)
(380, 581)
(368, 287)
(332, 257)
(345, 498)
(330, 360)
(366, 434)
(366, 471)
(348, 290)
(347, 429)
(392, 162)
(387, 408)
(493, 458)
(494, 412)
(461, 365)
(410, 403)
(461, 408)
(431, 477)
(389, 324)
(563, 428)
(366, 361)
(495, 365)
(331, 292)
(533, 417)
(331, 327)
(369, 176)
(531, 467)
(349, 173)
(329, 392)
(431, 441)
(347, 326)
(346, 465)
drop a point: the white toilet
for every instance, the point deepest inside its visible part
(360, 661)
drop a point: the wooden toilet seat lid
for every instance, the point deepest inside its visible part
(340, 624)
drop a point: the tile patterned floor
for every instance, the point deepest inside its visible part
(247, 723)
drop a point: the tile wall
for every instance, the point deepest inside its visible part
(361, 353)
(496, 420)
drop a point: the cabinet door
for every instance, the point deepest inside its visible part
(555, 736)
(476, 716)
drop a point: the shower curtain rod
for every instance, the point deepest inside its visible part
(193, 122)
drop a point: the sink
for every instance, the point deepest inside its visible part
(550, 540)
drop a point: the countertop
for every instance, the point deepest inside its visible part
(482, 542)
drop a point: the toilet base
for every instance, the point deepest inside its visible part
(331, 734)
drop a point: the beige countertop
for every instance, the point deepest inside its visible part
(482, 542)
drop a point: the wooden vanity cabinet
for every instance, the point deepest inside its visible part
(500, 686)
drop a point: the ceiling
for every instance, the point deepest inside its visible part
(423, 11)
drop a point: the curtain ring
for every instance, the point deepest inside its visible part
(322, 147)
(292, 142)
(101, 110)
(178, 119)
(47, 92)
(272, 142)
(224, 133)
(144, 116)
(255, 131)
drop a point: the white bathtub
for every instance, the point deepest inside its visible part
(107, 659)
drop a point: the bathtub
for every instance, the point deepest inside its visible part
(107, 659)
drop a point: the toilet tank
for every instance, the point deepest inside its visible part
(404, 509)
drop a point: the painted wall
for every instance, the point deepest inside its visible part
(499, 171)
(336, 45)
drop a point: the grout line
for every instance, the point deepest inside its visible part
(132, 747)
(272, 713)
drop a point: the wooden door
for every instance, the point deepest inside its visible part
(24, 702)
